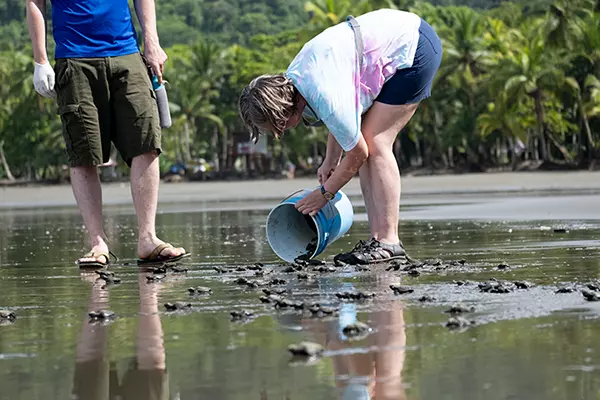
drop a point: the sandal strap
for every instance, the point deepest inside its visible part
(91, 254)
(159, 249)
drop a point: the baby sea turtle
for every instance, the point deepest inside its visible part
(494, 286)
(458, 323)
(276, 282)
(105, 274)
(414, 272)
(303, 276)
(426, 299)
(397, 289)
(315, 262)
(593, 286)
(263, 272)
(271, 291)
(155, 278)
(200, 290)
(179, 270)
(7, 315)
(102, 315)
(177, 306)
(255, 267)
(460, 309)
(590, 296)
(354, 295)
(159, 270)
(523, 284)
(241, 281)
(357, 329)
(565, 289)
(240, 269)
(306, 349)
(271, 298)
(323, 269)
(220, 270)
(503, 266)
(319, 310)
(243, 314)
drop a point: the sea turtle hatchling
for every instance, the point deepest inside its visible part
(306, 349)
(178, 305)
(102, 315)
(460, 308)
(458, 323)
(243, 314)
(7, 315)
(397, 289)
(356, 329)
(590, 296)
(200, 290)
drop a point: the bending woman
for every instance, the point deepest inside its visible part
(363, 79)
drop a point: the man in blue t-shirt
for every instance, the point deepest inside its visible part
(104, 92)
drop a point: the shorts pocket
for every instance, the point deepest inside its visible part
(74, 130)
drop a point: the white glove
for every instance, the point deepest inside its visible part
(43, 80)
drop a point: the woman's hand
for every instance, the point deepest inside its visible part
(312, 203)
(326, 169)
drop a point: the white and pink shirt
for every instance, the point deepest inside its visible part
(326, 73)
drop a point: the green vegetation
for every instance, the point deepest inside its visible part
(513, 73)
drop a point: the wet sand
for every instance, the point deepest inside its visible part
(525, 344)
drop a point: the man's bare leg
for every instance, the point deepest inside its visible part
(145, 178)
(88, 194)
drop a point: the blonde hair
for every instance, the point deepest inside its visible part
(267, 99)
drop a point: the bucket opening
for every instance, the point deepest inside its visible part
(291, 234)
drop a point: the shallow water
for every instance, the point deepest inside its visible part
(530, 344)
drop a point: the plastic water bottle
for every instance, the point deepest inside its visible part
(162, 101)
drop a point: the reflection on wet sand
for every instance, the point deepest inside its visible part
(97, 378)
(368, 369)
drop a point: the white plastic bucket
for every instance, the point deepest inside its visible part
(290, 233)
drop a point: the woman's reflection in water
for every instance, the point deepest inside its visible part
(369, 369)
(145, 378)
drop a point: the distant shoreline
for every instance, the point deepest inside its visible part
(211, 192)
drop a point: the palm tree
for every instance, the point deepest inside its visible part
(530, 71)
(197, 79)
(564, 21)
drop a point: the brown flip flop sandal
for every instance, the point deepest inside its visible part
(96, 264)
(156, 258)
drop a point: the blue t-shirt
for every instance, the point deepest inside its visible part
(93, 28)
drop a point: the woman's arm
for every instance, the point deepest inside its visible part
(331, 161)
(349, 166)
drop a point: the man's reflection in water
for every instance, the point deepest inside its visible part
(145, 378)
(369, 369)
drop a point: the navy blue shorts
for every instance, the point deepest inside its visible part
(412, 85)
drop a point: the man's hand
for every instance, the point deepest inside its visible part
(156, 58)
(326, 169)
(312, 203)
(43, 80)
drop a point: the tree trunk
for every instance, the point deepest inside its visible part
(224, 147)
(588, 132)
(5, 166)
(539, 112)
(187, 154)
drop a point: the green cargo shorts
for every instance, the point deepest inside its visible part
(104, 100)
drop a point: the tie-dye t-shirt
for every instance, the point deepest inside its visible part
(325, 70)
